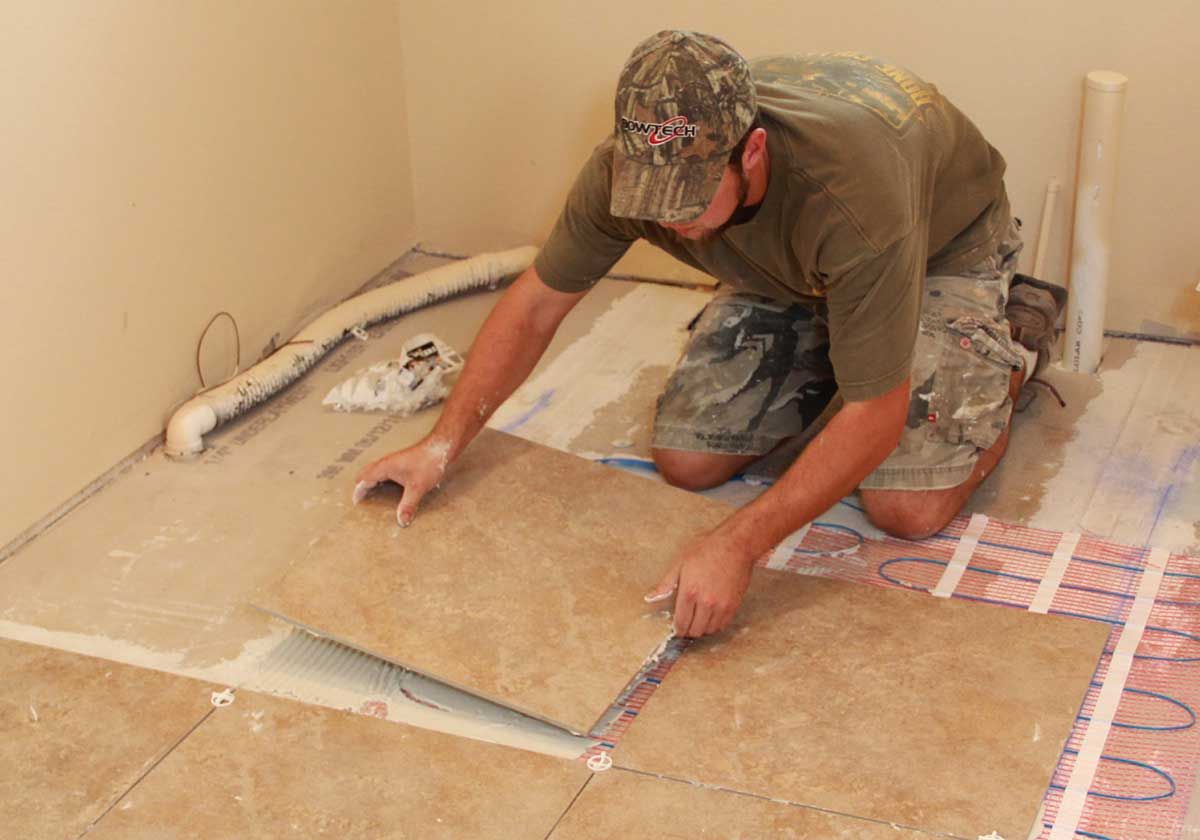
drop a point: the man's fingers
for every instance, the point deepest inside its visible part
(665, 588)
(719, 621)
(699, 623)
(373, 473)
(409, 501)
(685, 608)
(360, 491)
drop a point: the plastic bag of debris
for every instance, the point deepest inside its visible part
(419, 378)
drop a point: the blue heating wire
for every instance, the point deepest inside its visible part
(1113, 621)
(638, 463)
(1120, 797)
(1143, 727)
(1043, 553)
(833, 526)
(1082, 833)
(1075, 587)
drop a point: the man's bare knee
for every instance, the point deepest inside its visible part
(912, 515)
(697, 470)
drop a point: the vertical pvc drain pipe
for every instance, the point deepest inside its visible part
(1091, 245)
(1043, 243)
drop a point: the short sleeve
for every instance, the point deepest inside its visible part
(874, 315)
(586, 240)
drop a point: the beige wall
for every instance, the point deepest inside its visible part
(506, 100)
(163, 161)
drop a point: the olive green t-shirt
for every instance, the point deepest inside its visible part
(875, 180)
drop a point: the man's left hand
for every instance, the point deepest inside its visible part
(709, 579)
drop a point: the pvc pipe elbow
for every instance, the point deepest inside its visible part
(188, 426)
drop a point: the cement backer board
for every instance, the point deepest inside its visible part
(76, 732)
(624, 804)
(268, 768)
(891, 705)
(522, 578)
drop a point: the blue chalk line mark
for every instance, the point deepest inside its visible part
(540, 404)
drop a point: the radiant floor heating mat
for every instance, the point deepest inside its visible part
(1139, 785)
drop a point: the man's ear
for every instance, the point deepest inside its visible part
(756, 145)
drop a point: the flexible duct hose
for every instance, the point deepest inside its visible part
(199, 416)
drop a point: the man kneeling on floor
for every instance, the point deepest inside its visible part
(860, 230)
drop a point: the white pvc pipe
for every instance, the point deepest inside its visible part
(199, 416)
(1048, 204)
(1091, 245)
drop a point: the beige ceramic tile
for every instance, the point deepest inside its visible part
(161, 563)
(521, 579)
(76, 732)
(624, 804)
(943, 715)
(270, 768)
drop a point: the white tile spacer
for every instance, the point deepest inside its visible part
(993, 836)
(359, 333)
(223, 698)
(600, 762)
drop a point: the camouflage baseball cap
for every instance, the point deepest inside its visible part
(683, 102)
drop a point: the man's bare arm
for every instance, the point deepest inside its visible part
(508, 346)
(710, 576)
(856, 441)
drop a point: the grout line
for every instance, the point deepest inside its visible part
(147, 772)
(570, 805)
(97, 484)
(894, 825)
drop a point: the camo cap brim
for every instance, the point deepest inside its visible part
(683, 102)
(668, 193)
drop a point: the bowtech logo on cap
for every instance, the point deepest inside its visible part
(659, 133)
(684, 100)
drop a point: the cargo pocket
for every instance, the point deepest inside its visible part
(969, 402)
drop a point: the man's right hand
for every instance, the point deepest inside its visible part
(417, 469)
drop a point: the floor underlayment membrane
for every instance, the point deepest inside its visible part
(156, 568)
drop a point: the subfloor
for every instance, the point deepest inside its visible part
(158, 569)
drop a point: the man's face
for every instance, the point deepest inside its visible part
(731, 195)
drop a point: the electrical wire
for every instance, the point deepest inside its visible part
(1122, 797)
(237, 352)
(1142, 727)
(1169, 631)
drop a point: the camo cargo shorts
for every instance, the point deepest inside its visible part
(756, 372)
